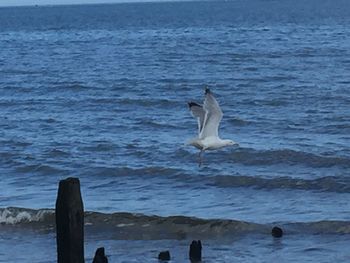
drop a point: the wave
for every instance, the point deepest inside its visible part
(40, 168)
(239, 122)
(54, 153)
(15, 143)
(70, 86)
(250, 156)
(127, 171)
(327, 184)
(155, 124)
(147, 102)
(123, 225)
(100, 146)
(330, 227)
(16, 216)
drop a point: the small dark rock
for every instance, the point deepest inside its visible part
(164, 256)
(195, 251)
(100, 256)
(277, 232)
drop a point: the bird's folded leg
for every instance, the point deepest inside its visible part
(200, 158)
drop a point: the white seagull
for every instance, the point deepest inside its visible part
(209, 116)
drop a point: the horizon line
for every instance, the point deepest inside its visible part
(106, 3)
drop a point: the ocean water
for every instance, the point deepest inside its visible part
(100, 92)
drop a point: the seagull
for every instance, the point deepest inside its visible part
(208, 116)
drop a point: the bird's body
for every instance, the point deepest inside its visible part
(209, 116)
(210, 143)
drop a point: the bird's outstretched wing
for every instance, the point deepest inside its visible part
(199, 113)
(213, 116)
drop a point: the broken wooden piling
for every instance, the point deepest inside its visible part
(70, 222)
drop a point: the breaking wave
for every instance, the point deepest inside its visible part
(16, 216)
(133, 226)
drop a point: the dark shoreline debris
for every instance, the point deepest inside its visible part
(164, 256)
(195, 253)
(100, 256)
(277, 232)
(69, 215)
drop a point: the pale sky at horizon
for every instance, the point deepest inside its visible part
(58, 2)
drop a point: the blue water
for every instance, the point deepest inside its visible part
(100, 92)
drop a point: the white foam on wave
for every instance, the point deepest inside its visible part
(12, 216)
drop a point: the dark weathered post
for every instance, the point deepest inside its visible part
(100, 256)
(196, 251)
(164, 256)
(70, 222)
(277, 232)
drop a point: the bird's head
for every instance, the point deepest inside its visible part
(231, 143)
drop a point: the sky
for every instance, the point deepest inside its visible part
(53, 2)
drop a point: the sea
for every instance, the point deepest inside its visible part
(100, 92)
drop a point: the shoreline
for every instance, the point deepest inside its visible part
(123, 224)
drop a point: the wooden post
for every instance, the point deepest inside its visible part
(100, 256)
(277, 232)
(196, 251)
(70, 222)
(164, 256)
